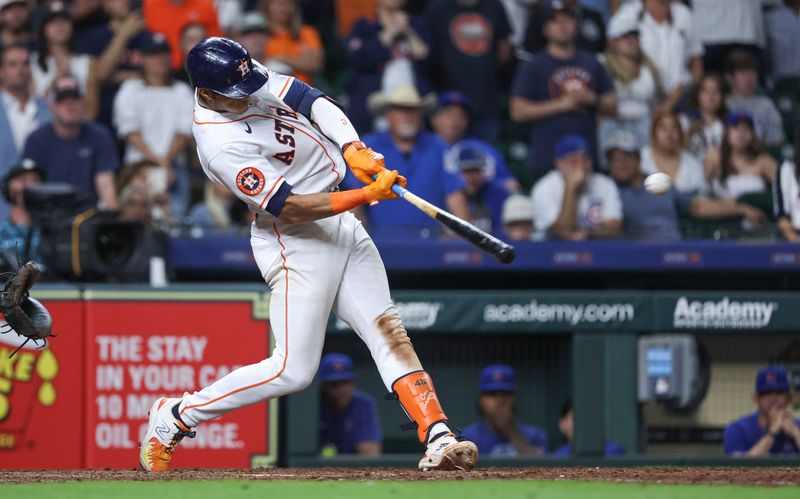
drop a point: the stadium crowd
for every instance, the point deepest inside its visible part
(534, 119)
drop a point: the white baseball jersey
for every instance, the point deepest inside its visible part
(269, 151)
(312, 267)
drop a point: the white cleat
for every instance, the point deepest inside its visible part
(448, 453)
(164, 433)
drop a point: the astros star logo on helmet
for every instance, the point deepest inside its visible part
(250, 181)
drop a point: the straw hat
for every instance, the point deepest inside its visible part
(401, 95)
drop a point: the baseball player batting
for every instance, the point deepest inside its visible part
(256, 134)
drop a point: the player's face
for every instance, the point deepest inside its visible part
(15, 69)
(623, 166)
(404, 122)
(560, 28)
(565, 424)
(450, 123)
(740, 136)
(770, 401)
(220, 103)
(338, 394)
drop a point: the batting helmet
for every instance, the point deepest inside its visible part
(225, 67)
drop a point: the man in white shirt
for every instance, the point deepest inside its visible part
(573, 203)
(20, 112)
(668, 37)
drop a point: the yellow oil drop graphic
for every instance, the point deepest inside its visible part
(47, 369)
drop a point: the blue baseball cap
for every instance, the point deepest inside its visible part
(552, 7)
(336, 367)
(569, 144)
(737, 117)
(498, 378)
(450, 97)
(771, 379)
(471, 158)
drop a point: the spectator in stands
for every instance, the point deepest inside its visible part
(470, 42)
(726, 25)
(667, 153)
(390, 46)
(215, 209)
(16, 230)
(591, 28)
(517, 218)
(292, 43)
(229, 14)
(573, 203)
(14, 29)
(740, 166)
(636, 82)
(72, 150)
(154, 117)
(670, 41)
(116, 47)
(54, 58)
(20, 112)
(349, 422)
(786, 196)
(191, 35)
(135, 205)
(150, 177)
(253, 35)
(498, 433)
(450, 121)
(169, 17)
(561, 90)
(741, 72)
(485, 196)
(704, 121)
(567, 427)
(418, 156)
(772, 429)
(652, 217)
(783, 31)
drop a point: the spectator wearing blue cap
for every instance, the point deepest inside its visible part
(451, 122)
(381, 47)
(772, 429)
(741, 165)
(567, 428)
(572, 202)
(485, 195)
(470, 42)
(652, 217)
(348, 421)
(561, 90)
(498, 433)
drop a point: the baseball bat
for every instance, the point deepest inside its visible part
(486, 242)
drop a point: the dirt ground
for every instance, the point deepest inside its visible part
(739, 476)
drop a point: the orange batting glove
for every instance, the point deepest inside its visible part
(381, 188)
(364, 162)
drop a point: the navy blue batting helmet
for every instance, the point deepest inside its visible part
(224, 66)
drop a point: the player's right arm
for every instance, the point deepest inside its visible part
(253, 180)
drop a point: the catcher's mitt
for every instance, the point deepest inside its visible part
(24, 315)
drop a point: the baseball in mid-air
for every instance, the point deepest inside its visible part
(657, 183)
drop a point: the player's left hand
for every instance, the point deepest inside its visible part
(365, 163)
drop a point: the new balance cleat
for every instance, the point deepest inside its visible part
(449, 452)
(164, 433)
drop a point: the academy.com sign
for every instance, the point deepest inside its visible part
(722, 314)
(566, 313)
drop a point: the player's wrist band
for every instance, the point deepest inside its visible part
(347, 200)
(354, 143)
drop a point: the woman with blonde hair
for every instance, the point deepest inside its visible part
(667, 153)
(291, 43)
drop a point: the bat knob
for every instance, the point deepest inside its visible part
(507, 254)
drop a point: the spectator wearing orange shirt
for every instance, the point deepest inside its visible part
(292, 43)
(169, 17)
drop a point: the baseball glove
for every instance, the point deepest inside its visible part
(24, 315)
